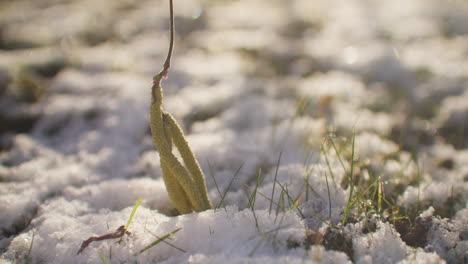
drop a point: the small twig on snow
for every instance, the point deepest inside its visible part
(117, 234)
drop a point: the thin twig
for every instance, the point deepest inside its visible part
(167, 63)
(117, 234)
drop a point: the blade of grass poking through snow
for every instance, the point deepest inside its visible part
(265, 235)
(280, 204)
(338, 154)
(274, 181)
(213, 177)
(259, 243)
(103, 258)
(419, 178)
(246, 186)
(253, 195)
(291, 200)
(165, 242)
(285, 191)
(308, 186)
(159, 240)
(133, 213)
(256, 220)
(380, 196)
(229, 186)
(28, 255)
(296, 202)
(329, 197)
(130, 218)
(306, 181)
(351, 182)
(325, 155)
(361, 194)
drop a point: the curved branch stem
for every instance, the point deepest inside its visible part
(167, 63)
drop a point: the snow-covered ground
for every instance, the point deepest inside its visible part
(265, 90)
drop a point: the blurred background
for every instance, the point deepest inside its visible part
(411, 56)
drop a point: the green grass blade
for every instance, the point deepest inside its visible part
(329, 197)
(351, 182)
(133, 213)
(306, 181)
(229, 186)
(103, 258)
(256, 220)
(165, 242)
(360, 195)
(290, 199)
(278, 204)
(213, 177)
(338, 155)
(274, 181)
(308, 186)
(253, 195)
(259, 243)
(325, 154)
(28, 255)
(159, 240)
(260, 193)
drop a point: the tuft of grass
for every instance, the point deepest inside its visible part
(366, 196)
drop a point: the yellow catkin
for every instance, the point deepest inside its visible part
(174, 189)
(189, 159)
(187, 189)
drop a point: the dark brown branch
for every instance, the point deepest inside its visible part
(117, 234)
